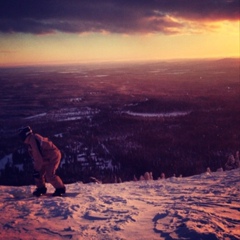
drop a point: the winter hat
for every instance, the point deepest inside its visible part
(23, 132)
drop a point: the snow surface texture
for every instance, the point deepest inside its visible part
(205, 206)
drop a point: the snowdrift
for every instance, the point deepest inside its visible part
(205, 206)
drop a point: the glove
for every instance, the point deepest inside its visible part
(36, 174)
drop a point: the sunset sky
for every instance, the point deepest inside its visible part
(75, 31)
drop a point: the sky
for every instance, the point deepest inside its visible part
(36, 32)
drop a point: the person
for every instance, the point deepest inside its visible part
(232, 163)
(46, 159)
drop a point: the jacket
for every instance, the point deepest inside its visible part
(42, 150)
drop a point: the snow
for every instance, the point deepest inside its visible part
(5, 160)
(204, 206)
(101, 75)
(20, 167)
(66, 114)
(59, 135)
(36, 116)
(154, 115)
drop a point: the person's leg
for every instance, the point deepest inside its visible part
(51, 177)
(40, 184)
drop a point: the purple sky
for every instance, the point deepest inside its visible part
(115, 16)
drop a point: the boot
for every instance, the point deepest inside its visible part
(59, 192)
(40, 191)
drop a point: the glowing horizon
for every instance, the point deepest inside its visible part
(148, 31)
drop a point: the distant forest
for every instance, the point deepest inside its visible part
(114, 122)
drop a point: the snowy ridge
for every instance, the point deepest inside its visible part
(204, 206)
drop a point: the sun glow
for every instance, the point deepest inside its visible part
(219, 39)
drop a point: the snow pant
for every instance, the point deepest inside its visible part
(47, 173)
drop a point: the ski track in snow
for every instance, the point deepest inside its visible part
(205, 206)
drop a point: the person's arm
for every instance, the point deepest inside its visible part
(37, 157)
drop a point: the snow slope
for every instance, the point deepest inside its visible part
(205, 206)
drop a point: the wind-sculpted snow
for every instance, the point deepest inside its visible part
(199, 207)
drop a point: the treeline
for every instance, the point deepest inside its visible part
(18, 170)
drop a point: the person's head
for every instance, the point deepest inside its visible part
(24, 132)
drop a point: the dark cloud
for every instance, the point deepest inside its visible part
(117, 16)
